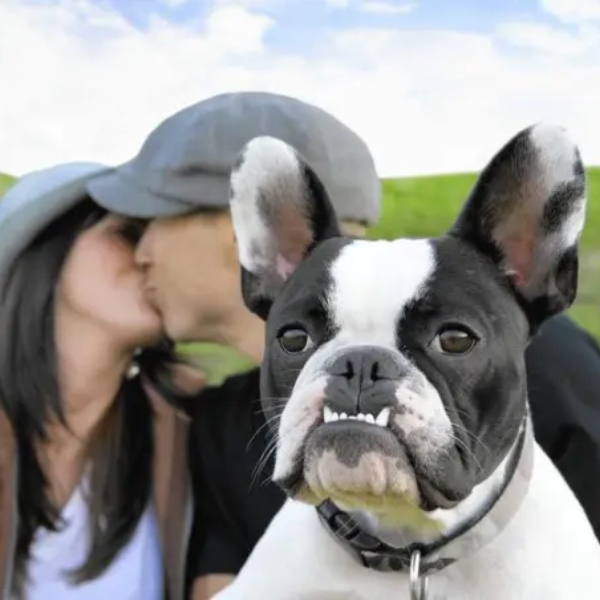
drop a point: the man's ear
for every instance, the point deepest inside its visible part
(280, 210)
(527, 211)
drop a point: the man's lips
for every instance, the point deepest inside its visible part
(150, 292)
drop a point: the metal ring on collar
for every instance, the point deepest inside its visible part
(418, 582)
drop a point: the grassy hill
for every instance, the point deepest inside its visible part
(426, 206)
(5, 181)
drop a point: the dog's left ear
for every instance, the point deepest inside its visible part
(280, 211)
(527, 211)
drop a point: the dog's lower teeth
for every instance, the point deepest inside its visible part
(381, 419)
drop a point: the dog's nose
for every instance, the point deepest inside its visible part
(365, 367)
(363, 381)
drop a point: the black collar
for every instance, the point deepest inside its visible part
(378, 555)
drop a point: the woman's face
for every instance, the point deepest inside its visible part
(101, 283)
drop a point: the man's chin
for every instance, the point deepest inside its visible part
(180, 332)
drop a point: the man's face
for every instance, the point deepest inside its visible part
(192, 273)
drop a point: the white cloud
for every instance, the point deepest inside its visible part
(550, 40)
(79, 83)
(388, 8)
(234, 30)
(573, 10)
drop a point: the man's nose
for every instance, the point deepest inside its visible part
(142, 250)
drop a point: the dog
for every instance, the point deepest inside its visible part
(396, 373)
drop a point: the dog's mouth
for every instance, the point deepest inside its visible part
(362, 461)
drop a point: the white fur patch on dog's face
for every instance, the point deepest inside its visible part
(373, 282)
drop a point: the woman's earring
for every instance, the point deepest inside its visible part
(134, 367)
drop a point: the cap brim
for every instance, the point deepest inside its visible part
(118, 194)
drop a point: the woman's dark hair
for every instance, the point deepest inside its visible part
(121, 448)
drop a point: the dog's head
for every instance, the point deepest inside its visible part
(395, 369)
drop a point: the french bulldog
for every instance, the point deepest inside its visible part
(394, 381)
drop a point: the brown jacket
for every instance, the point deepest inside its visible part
(171, 496)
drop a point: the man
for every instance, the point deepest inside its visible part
(181, 175)
(180, 178)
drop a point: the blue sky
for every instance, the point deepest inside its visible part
(297, 20)
(473, 15)
(431, 85)
(299, 25)
(465, 15)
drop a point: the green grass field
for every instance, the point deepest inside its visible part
(426, 206)
(5, 181)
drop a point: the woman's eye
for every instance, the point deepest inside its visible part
(455, 340)
(132, 230)
(295, 340)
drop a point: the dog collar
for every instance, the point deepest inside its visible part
(467, 539)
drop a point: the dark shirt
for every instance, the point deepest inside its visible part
(563, 368)
(229, 438)
(230, 468)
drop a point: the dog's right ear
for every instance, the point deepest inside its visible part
(280, 211)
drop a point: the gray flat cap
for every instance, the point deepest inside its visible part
(184, 164)
(34, 201)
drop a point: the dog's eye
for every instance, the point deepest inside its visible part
(295, 340)
(455, 340)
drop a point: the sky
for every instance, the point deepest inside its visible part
(431, 85)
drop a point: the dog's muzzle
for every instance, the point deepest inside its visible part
(378, 426)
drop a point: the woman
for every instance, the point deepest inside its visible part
(87, 507)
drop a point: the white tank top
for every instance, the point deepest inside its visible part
(136, 573)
